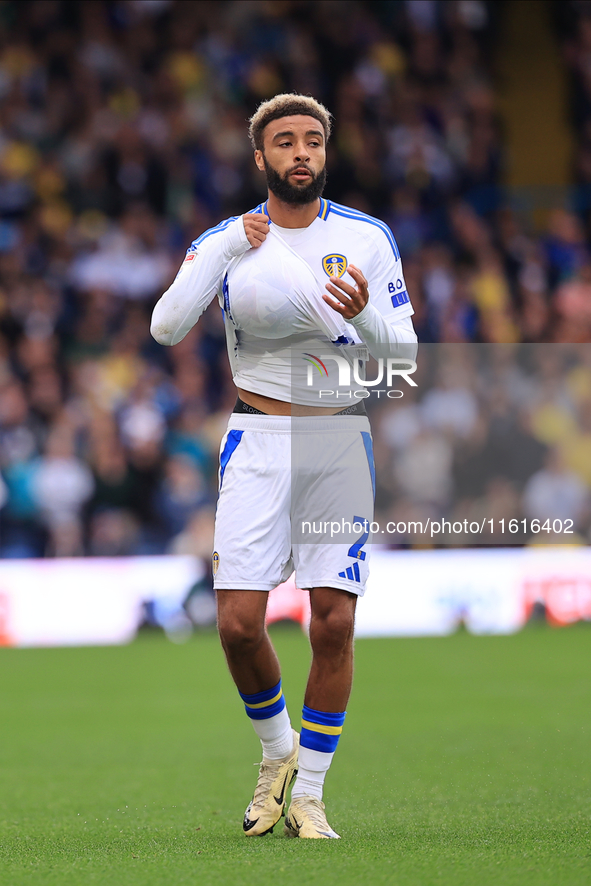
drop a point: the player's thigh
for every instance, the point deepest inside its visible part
(332, 483)
(333, 510)
(252, 546)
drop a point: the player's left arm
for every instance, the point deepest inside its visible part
(378, 308)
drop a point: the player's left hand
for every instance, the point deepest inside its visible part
(348, 300)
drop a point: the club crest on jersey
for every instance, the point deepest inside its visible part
(334, 265)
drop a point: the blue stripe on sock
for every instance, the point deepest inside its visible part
(265, 713)
(260, 697)
(317, 741)
(324, 718)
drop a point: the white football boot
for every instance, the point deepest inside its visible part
(268, 804)
(306, 818)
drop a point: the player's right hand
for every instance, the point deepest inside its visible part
(256, 227)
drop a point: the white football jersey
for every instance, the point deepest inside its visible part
(272, 301)
(339, 236)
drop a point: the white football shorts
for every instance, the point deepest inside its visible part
(294, 493)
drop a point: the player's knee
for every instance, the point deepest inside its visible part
(332, 631)
(240, 636)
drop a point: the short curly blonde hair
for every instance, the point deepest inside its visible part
(285, 105)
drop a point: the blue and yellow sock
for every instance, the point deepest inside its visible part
(319, 738)
(268, 713)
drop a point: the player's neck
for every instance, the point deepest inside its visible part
(286, 215)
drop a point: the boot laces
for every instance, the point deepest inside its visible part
(267, 774)
(314, 809)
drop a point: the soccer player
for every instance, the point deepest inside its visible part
(299, 274)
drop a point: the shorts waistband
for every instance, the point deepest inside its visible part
(242, 408)
(305, 424)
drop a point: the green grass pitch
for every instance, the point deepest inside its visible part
(464, 760)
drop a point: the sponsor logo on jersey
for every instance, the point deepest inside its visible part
(215, 562)
(190, 257)
(334, 265)
(400, 296)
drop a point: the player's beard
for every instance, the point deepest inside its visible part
(295, 195)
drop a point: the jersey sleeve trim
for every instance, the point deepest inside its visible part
(356, 215)
(217, 230)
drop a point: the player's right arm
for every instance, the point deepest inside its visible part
(200, 274)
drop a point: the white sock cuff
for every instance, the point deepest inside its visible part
(314, 761)
(276, 735)
(273, 727)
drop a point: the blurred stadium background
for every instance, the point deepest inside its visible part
(464, 124)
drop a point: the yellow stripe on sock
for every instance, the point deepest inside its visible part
(318, 727)
(265, 704)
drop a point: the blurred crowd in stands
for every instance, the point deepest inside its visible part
(123, 137)
(495, 435)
